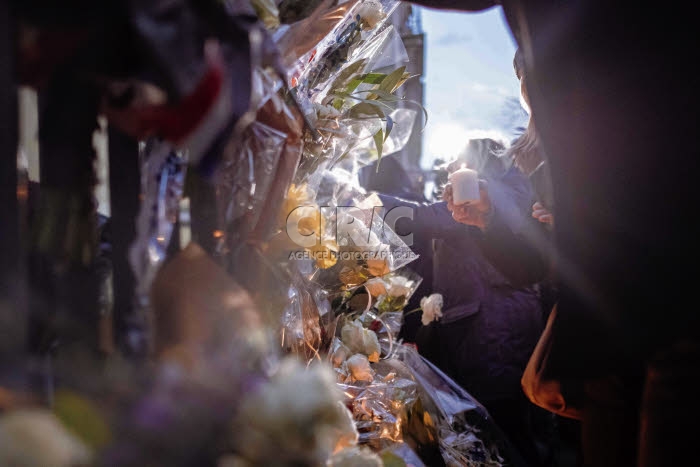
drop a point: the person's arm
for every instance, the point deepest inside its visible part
(429, 220)
(513, 241)
(510, 239)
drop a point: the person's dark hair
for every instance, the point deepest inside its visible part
(478, 155)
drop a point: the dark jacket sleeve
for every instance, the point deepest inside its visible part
(514, 242)
(422, 221)
(507, 241)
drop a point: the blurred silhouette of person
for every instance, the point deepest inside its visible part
(609, 83)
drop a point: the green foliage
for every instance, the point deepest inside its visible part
(378, 100)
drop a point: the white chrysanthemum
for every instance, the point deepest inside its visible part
(339, 354)
(399, 286)
(359, 368)
(361, 340)
(432, 308)
(299, 411)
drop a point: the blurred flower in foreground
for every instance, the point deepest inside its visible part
(35, 437)
(300, 413)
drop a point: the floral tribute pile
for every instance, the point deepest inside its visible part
(277, 344)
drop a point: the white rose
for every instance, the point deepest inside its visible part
(358, 366)
(432, 308)
(352, 231)
(399, 286)
(298, 412)
(340, 353)
(371, 12)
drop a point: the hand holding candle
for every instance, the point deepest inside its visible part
(465, 186)
(476, 210)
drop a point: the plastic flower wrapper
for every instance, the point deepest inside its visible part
(320, 45)
(367, 247)
(372, 61)
(384, 300)
(450, 417)
(380, 407)
(338, 353)
(298, 418)
(359, 122)
(267, 12)
(307, 25)
(339, 133)
(392, 292)
(375, 59)
(302, 319)
(340, 126)
(340, 47)
(364, 252)
(357, 108)
(258, 164)
(163, 173)
(364, 96)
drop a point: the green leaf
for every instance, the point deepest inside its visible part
(368, 78)
(389, 459)
(83, 417)
(389, 126)
(379, 142)
(406, 76)
(378, 103)
(365, 108)
(385, 96)
(392, 80)
(374, 78)
(346, 73)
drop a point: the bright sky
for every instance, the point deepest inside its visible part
(468, 80)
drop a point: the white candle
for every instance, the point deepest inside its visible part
(465, 186)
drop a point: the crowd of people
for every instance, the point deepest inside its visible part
(606, 85)
(488, 261)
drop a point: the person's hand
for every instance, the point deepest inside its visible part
(542, 214)
(476, 214)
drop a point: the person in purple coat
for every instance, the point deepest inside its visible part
(485, 271)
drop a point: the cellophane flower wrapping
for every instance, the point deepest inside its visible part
(163, 171)
(319, 377)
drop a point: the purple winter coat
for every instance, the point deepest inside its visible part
(492, 316)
